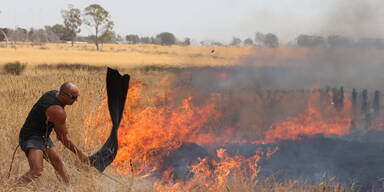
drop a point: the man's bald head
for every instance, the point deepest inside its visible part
(67, 87)
(68, 93)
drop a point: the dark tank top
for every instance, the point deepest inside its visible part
(36, 123)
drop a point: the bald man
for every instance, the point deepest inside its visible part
(46, 115)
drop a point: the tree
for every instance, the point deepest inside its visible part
(119, 38)
(51, 35)
(61, 32)
(248, 42)
(235, 41)
(339, 41)
(166, 38)
(72, 21)
(99, 18)
(19, 34)
(156, 40)
(32, 35)
(132, 38)
(3, 36)
(268, 40)
(187, 41)
(310, 41)
(107, 37)
(146, 40)
(3, 33)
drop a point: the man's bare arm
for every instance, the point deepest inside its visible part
(57, 116)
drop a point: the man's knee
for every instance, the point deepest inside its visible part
(53, 157)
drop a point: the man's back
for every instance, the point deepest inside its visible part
(36, 123)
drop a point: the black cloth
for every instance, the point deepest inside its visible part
(36, 123)
(117, 89)
(36, 142)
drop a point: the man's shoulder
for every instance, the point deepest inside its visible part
(51, 92)
(55, 113)
(55, 109)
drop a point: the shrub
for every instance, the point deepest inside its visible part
(14, 68)
(72, 66)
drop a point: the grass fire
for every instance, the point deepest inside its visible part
(274, 119)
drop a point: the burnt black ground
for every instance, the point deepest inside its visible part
(314, 159)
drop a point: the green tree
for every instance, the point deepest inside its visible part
(3, 34)
(248, 42)
(132, 38)
(72, 21)
(268, 40)
(98, 18)
(166, 38)
(236, 41)
(187, 41)
(107, 37)
(61, 32)
(310, 41)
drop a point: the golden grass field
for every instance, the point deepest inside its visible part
(19, 93)
(122, 55)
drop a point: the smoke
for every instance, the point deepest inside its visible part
(348, 67)
(355, 18)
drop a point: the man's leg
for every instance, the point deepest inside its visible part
(56, 162)
(35, 160)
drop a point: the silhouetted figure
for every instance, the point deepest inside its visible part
(334, 98)
(364, 101)
(376, 102)
(354, 100)
(340, 98)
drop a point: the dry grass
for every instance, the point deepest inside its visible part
(123, 55)
(19, 93)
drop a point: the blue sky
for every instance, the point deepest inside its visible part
(212, 19)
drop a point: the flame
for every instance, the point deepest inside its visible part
(312, 122)
(213, 174)
(153, 126)
(157, 121)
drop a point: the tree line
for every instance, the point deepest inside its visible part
(99, 19)
(332, 41)
(93, 16)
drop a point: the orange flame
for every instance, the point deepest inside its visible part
(155, 122)
(214, 174)
(312, 122)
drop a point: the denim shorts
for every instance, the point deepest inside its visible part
(35, 142)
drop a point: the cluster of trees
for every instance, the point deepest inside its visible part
(96, 17)
(93, 16)
(266, 40)
(333, 41)
(54, 33)
(164, 38)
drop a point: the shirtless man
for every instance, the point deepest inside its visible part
(46, 115)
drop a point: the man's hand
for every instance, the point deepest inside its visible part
(83, 157)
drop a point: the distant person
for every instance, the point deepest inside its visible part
(46, 115)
